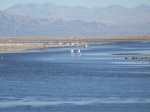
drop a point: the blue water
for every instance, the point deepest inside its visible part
(100, 80)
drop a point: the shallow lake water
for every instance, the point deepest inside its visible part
(99, 80)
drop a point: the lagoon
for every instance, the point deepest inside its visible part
(101, 79)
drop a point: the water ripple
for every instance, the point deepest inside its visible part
(13, 102)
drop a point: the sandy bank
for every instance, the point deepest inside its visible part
(22, 43)
(73, 38)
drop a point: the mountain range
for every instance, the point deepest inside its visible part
(52, 20)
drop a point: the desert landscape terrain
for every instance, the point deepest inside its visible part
(22, 43)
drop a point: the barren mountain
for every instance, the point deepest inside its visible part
(52, 20)
(14, 25)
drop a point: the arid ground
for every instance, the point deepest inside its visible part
(21, 43)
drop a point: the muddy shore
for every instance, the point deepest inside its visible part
(22, 43)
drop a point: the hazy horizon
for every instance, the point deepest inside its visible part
(4, 4)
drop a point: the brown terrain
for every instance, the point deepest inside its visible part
(22, 43)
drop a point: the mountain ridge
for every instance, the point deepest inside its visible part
(49, 10)
(51, 20)
(14, 25)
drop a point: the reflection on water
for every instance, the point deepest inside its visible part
(14, 102)
(52, 80)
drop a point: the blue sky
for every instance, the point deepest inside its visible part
(88, 3)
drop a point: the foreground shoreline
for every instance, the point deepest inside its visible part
(23, 43)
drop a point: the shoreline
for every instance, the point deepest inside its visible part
(23, 43)
(7, 47)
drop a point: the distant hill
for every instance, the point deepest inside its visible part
(52, 20)
(14, 25)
